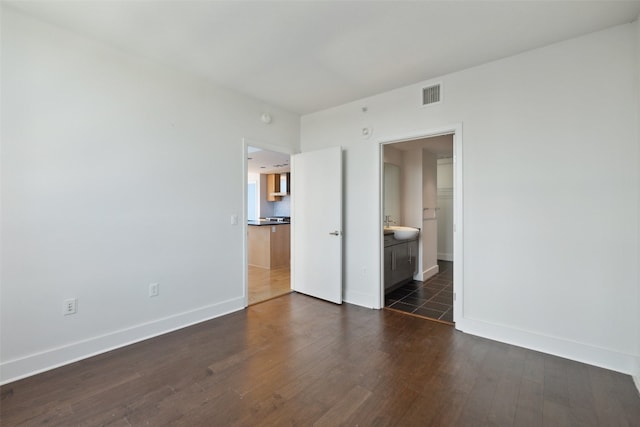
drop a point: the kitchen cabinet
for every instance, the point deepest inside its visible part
(278, 185)
(273, 187)
(269, 245)
(400, 261)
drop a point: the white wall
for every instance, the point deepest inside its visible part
(412, 198)
(411, 183)
(550, 193)
(393, 197)
(392, 155)
(445, 209)
(637, 23)
(115, 173)
(429, 226)
(392, 191)
(445, 174)
(255, 178)
(265, 208)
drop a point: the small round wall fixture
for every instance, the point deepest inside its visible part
(266, 118)
(366, 132)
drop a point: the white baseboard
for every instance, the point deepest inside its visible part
(636, 375)
(360, 298)
(36, 363)
(580, 352)
(445, 256)
(429, 272)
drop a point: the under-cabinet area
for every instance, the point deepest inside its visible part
(400, 261)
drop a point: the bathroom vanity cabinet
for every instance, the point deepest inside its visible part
(400, 261)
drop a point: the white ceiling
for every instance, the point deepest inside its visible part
(305, 56)
(263, 161)
(440, 146)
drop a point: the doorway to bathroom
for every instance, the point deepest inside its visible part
(418, 192)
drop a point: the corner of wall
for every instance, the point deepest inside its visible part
(637, 372)
(636, 377)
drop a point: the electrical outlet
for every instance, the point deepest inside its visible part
(70, 306)
(154, 289)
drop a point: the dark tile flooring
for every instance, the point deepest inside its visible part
(432, 299)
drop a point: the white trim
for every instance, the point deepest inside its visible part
(458, 221)
(458, 283)
(379, 296)
(363, 299)
(245, 226)
(267, 147)
(430, 272)
(22, 367)
(636, 375)
(445, 256)
(561, 347)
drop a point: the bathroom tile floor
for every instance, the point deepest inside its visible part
(432, 298)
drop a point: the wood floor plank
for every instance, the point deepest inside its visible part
(581, 400)
(529, 408)
(503, 406)
(384, 405)
(264, 284)
(482, 395)
(555, 414)
(296, 360)
(346, 406)
(610, 402)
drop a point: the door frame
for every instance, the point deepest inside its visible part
(246, 143)
(458, 218)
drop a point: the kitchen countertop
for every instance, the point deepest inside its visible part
(265, 222)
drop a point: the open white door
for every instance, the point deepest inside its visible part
(317, 224)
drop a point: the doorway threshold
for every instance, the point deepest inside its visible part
(431, 299)
(444, 322)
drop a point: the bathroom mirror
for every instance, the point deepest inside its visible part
(391, 198)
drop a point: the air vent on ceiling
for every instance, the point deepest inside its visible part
(431, 94)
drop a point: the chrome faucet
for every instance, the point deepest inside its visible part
(388, 221)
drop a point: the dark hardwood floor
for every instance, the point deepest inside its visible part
(295, 360)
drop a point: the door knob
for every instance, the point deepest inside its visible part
(335, 233)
